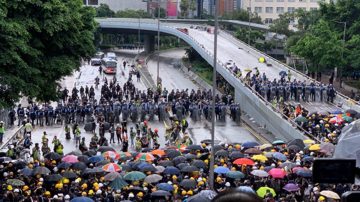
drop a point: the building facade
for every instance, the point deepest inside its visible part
(269, 10)
(117, 5)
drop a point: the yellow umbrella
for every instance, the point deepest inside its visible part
(261, 59)
(309, 141)
(265, 146)
(247, 70)
(315, 147)
(259, 157)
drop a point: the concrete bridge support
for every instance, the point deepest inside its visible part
(149, 43)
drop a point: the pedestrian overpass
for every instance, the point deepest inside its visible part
(245, 57)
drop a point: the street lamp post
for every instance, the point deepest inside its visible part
(212, 160)
(342, 53)
(249, 27)
(158, 45)
(139, 36)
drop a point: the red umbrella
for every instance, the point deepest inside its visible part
(277, 173)
(244, 161)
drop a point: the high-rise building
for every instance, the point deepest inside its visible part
(117, 5)
(269, 10)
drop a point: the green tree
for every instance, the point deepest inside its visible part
(186, 6)
(256, 37)
(162, 13)
(40, 43)
(242, 15)
(128, 13)
(281, 25)
(104, 11)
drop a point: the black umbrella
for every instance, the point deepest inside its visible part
(204, 156)
(236, 155)
(90, 153)
(189, 169)
(126, 167)
(190, 156)
(294, 148)
(222, 153)
(179, 159)
(148, 168)
(136, 189)
(75, 153)
(199, 164)
(160, 193)
(102, 163)
(218, 147)
(69, 175)
(26, 171)
(95, 170)
(173, 154)
(53, 178)
(194, 147)
(351, 112)
(182, 165)
(19, 164)
(105, 149)
(165, 163)
(171, 170)
(297, 142)
(63, 165)
(5, 159)
(83, 158)
(41, 171)
(52, 156)
(79, 166)
(188, 184)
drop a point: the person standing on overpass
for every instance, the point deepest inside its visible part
(2, 131)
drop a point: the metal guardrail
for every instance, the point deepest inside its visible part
(17, 137)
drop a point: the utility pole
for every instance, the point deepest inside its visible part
(158, 45)
(249, 27)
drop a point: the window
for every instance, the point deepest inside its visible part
(269, 9)
(268, 20)
(313, 8)
(302, 1)
(93, 2)
(258, 9)
(291, 9)
(291, 0)
(279, 9)
(248, 9)
(303, 8)
(313, 0)
(280, 0)
(269, 0)
(258, 0)
(84, 2)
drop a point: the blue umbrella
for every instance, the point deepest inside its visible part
(82, 199)
(139, 164)
(304, 173)
(221, 170)
(250, 144)
(278, 142)
(26, 171)
(171, 170)
(337, 112)
(63, 165)
(95, 159)
(245, 189)
(279, 156)
(165, 187)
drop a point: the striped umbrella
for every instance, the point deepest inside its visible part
(145, 157)
(111, 167)
(158, 152)
(111, 155)
(125, 155)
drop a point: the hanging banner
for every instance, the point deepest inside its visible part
(171, 8)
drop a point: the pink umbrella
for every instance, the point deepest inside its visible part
(277, 173)
(336, 119)
(70, 159)
(294, 170)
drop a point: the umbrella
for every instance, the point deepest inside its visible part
(282, 73)
(69, 175)
(102, 163)
(79, 166)
(351, 112)
(327, 148)
(291, 187)
(263, 190)
(199, 164)
(75, 153)
(336, 119)
(134, 176)
(125, 155)
(265, 146)
(19, 164)
(153, 178)
(190, 156)
(269, 154)
(82, 199)
(244, 161)
(250, 144)
(105, 149)
(118, 183)
(139, 164)
(253, 151)
(145, 157)
(166, 163)
(52, 156)
(278, 142)
(294, 148)
(160, 193)
(314, 147)
(309, 142)
(83, 158)
(301, 119)
(194, 147)
(330, 194)
(259, 173)
(236, 155)
(308, 159)
(247, 70)
(203, 196)
(295, 169)
(41, 171)
(179, 159)
(158, 152)
(159, 169)
(173, 153)
(165, 187)
(70, 159)
(289, 165)
(111, 167)
(221, 170)
(246, 189)
(235, 174)
(182, 165)
(90, 153)
(26, 171)
(204, 156)
(171, 170)
(148, 168)
(189, 169)
(337, 112)
(111, 176)
(268, 168)
(15, 182)
(136, 189)
(53, 178)
(188, 184)
(297, 142)
(279, 156)
(259, 157)
(347, 119)
(111, 155)
(95, 170)
(304, 173)
(95, 159)
(63, 165)
(222, 153)
(5, 159)
(126, 167)
(277, 173)
(217, 147)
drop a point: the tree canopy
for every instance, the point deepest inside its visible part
(242, 15)
(104, 11)
(40, 43)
